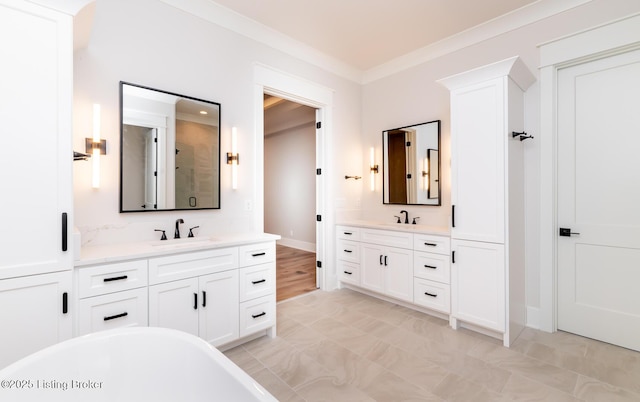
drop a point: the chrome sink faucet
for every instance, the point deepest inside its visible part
(177, 233)
(406, 216)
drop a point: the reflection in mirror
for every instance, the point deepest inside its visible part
(411, 164)
(169, 151)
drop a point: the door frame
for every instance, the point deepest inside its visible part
(286, 86)
(616, 37)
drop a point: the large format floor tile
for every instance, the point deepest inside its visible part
(346, 346)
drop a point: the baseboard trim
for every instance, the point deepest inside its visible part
(300, 245)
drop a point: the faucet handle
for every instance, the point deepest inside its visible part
(398, 218)
(414, 220)
(190, 231)
(164, 235)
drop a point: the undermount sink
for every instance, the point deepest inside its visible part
(180, 243)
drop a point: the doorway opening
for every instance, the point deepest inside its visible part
(290, 192)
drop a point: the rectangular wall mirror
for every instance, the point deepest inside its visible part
(411, 164)
(169, 151)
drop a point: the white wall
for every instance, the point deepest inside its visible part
(184, 54)
(413, 96)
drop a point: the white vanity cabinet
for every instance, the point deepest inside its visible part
(348, 254)
(487, 195)
(400, 264)
(257, 287)
(37, 187)
(431, 271)
(196, 292)
(35, 312)
(112, 296)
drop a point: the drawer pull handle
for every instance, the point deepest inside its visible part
(430, 294)
(430, 266)
(258, 254)
(348, 233)
(115, 278)
(348, 273)
(430, 244)
(260, 281)
(113, 317)
(258, 315)
(348, 251)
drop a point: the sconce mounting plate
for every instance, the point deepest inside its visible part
(90, 145)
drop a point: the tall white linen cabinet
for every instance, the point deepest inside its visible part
(36, 205)
(487, 197)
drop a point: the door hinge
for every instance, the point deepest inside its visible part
(318, 172)
(319, 218)
(319, 125)
(319, 264)
(408, 143)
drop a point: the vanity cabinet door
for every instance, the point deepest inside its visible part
(32, 314)
(478, 283)
(35, 145)
(387, 270)
(175, 305)
(398, 273)
(218, 306)
(372, 267)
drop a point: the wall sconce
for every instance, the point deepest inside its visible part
(233, 158)
(96, 147)
(373, 168)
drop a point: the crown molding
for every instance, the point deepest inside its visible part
(229, 19)
(236, 22)
(521, 17)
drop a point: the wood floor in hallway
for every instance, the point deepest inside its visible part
(295, 272)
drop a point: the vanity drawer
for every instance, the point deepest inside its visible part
(387, 238)
(189, 265)
(432, 244)
(347, 233)
(348, 250)
(434, 267)
(257, 254)
(116, 310)
(257, 281)
(349, 272)
(257, 314)
(433, 295)
(109, 278)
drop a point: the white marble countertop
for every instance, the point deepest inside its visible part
(108, 253)
(402, 227)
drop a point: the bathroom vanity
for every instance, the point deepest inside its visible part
(220, 289)
(397, 262)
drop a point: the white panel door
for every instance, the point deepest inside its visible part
(477, 161)
(599, 198)
(478, 283)
(35, 138)
(372, 266)
(32, 314)
(175, 305)
(219, 314)
(398, 273)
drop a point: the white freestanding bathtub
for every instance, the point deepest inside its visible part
(129, 364)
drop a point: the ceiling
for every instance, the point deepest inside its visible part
(368, 33)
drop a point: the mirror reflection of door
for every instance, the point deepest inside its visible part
(141, 184)
(397, 167)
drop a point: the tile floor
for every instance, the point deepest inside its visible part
(345, 346)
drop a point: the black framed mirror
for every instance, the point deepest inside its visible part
(169, 151)
(411, 164)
